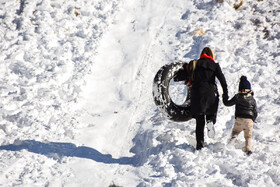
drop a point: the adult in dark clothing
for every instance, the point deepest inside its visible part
(204, 93)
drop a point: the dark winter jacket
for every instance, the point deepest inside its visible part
(204, 95)
(182, 74)
(245, 105)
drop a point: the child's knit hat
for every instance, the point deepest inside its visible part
(244, 83)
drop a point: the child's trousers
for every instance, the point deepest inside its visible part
(246, 125)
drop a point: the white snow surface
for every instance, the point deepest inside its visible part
(76, 105)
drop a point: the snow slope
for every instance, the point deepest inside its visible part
(76, 103)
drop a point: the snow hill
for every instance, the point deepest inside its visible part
(76, 106)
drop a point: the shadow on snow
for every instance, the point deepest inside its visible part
(143, 148)
(58, 150)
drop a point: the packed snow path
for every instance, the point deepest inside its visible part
(76, 103)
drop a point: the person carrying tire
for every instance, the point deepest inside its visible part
(204, 94)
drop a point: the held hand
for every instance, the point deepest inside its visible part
(225, 98)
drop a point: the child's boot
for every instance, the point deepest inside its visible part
(249, 153)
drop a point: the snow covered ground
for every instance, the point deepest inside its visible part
(76, 106)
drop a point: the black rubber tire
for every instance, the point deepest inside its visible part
(163, 101)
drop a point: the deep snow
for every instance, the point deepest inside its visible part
(76, 104)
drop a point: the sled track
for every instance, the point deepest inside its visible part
(143, 91)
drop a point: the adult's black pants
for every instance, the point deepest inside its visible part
(199, 131)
